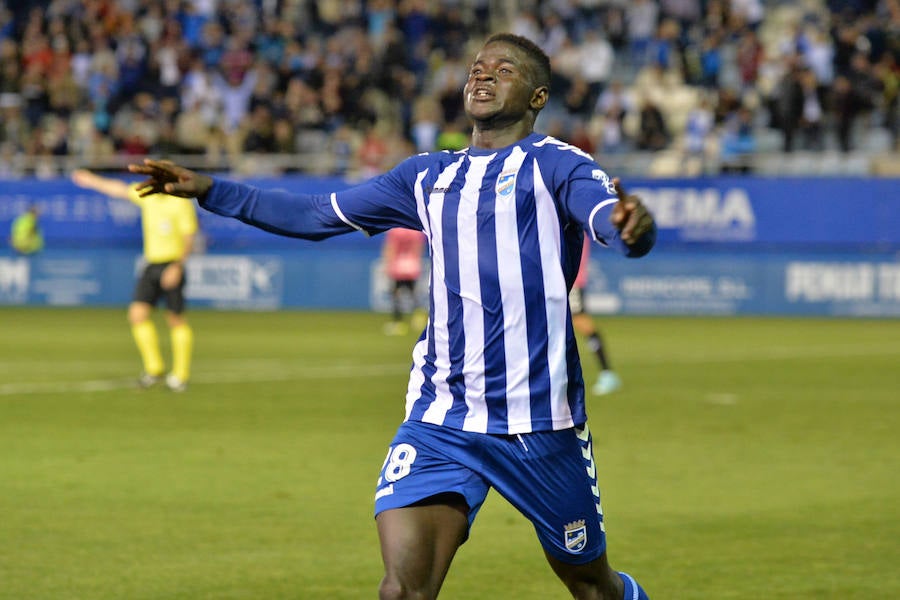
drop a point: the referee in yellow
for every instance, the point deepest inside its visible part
(169, 229)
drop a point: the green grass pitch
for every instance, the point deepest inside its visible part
(751, 458)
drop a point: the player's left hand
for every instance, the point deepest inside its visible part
(630, 216)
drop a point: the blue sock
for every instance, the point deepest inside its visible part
(633, 590)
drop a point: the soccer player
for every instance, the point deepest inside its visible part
(496, 393)
(169, 227)
(402, 257)
(25, 234)
(607, 381)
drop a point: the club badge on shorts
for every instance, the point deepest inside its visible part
(575, 536)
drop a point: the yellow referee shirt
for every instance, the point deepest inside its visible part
(166, 220)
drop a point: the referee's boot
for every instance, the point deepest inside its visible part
(175, 384)
(146, 380)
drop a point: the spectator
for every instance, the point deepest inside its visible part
(579, 99)
(710, 61)
(664, 50)
(199, 91)
(812, 115)
(372, 153)
(641, 19)
(746, 12)
(847, 104)
(192, 129)
(698, 128)
(653, 133)
(596, 63)
(283, 138)
(235, 91)
(554, 34)
(788, 103)
(888, 74)
(426, 124)
(258, 131)
(738, 142)
(98, 62)
(749, 58)
(80, 63)
(818, 55)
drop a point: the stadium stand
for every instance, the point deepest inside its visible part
(662, 87)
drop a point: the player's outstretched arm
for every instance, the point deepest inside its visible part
(166, 177)
(113, 188)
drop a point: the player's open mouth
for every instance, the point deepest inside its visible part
(482, 94)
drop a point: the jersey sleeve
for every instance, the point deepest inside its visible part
(588, 194)
(372, 207)
(385, 202)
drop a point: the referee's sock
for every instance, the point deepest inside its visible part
(633, 590)
(182, 347)
(148, 345)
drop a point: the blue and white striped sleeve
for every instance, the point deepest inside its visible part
(590, 197)
(371, 207)
(384, 202)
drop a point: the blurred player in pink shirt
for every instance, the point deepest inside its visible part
(402, 256)
(607, 381)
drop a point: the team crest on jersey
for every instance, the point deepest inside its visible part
(575, 536)
(506, 183)
(602, 177)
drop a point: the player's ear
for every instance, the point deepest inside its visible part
(539, 97)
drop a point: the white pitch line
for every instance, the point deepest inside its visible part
(265, 370)
(231, 376)
(231, 366)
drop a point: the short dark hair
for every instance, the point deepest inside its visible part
(539, 58)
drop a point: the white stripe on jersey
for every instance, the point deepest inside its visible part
(443, 398)
(416, 375)
(470, 295)
(420, 203)
(556, 298)
(591, 219)
(512, 289)
(340, 214)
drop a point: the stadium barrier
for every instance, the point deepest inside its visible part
(751, 245)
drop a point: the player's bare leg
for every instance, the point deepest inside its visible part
(418, 544)
(591, 581)
(139, 312)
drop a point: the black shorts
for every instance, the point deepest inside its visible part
(149, 290)
(405, 284)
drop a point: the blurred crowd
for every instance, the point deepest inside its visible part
(352, 86)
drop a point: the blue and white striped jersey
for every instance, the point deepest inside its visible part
(505, 229)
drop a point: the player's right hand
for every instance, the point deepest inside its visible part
(165, 177)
